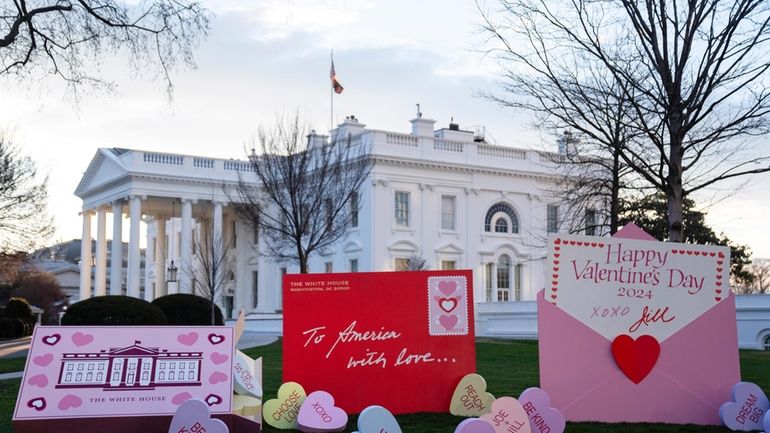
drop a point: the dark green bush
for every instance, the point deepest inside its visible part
(18, 308)
(186, 309)
(113, 310)
(7, 327)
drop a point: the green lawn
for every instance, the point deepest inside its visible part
(518, 359)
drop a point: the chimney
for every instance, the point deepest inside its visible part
(314, 139)
(422, 127)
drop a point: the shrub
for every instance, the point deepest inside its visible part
(186, 309)
(18, 308)
(113, 310)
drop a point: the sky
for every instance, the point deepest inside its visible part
(267, 58)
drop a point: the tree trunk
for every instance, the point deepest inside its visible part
(302, 259)
(615, 198)
(213, 316)
(674, 191)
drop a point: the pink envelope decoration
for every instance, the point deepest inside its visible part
(648, 329)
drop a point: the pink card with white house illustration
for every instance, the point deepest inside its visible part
(122, 371)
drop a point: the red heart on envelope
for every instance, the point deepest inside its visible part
(635, 357)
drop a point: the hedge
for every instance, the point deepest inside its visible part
(186, 309)
(113, 310)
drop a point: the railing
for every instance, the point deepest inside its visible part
(234, 165)
(163, 158)
(451, 146)
(401, 139)
(203, 163)
(502, 152)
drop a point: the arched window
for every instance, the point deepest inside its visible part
(502, 218)
(503, 278)
(767, 342)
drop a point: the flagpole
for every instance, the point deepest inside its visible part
(331, 100)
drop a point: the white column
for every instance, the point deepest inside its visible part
(134, 256)
(85, 258)
(116, 259)
(100, 271)
(160, 256)
(185, 249)
(149, 259)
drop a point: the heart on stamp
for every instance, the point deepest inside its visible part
(37, 403)
(448, 321)
(281, 412)
(216, 338)
(447, 304)
(80, 339)
(744, 412)
(540, 412)
(474, 425)
(69, 401)
(377, 419)
(39, 380)
(194, 415)
(187, 339)
(508, 415)
(43, 360)
(636, 358)
(471, 397)
(447, 287)
(52, 339)
(319, 414)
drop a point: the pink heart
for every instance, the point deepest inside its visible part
(217, 377)
(218, 358)
(474, 425)
(51, 340)
(537, 405)
(318, 414)
(69, 401)
(447, 287)
(508, 416)
(180, 398)
(81, 339)
(194, 416)
(43, 360)
(740, 414)
(37, 403)
(448, 321)
(216, 338)
(188, 339)
(39, 380)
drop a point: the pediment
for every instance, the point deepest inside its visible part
(104, 168)
(352, 247)
(404, 246)
(450, 248)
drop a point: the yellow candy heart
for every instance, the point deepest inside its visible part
(247, 406)
(282, 412)
(471, 397)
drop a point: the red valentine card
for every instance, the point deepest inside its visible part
(402, 340)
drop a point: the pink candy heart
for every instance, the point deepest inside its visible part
(52, 339)
(537, 405)
(508, 416)
(69, 402)
(474, 425)
(43, 360)
(81, 339)
(37, 403)
(194, 416)
(216, 338)
(318, 414)
(188, 339)
(38, 380)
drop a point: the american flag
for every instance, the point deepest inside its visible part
(335, 84)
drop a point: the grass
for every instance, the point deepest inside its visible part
(518, 361)
(9, 365)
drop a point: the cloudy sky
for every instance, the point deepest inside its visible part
(269, 57)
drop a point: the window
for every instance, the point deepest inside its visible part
(172, 365)
(233, 233)
(590, 221)
(353, 265)
(79, 377)
(767, 342)
(68, 378)
(284, 271)
(448, 265)
(448, 212)
(171, 375)
(254, 289)
(509, 219)
(101, 366)
(503, 278)
(401, 264)
(99, 376)
(80, 367)
(402, 208)
(89, 377)
(354, 209)
(190, 375)
(191, 364)
(145, 375)
(162, 375)
(517, 282)
(488, 272)
(90, 367)
(256, 234)
(553, 219)
(70, 367)
(329, 267)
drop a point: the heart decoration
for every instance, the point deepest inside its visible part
(447, 304)
(636, 358)
(508, 416)
(447, 287)
(52, 339)
(188, 339)
(245, 405)
(213, 399)
(217, 377)
(43, 360)
(282, 412)
(194, 416)
(180, 398)
(745, 411)
(39, 380)
(318, 414)
(80, 339)
(471, 397)
(37, 403)
(448, 321)
(474, 425)
(377, 419)
(766, 422)
(70, 401)
(219, 358)
(216, 338)
(246, 380)
(542, 417)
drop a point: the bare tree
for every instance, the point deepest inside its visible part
(67, 38)
(212, 262)
(760, 268)
(416, 263)
(24, 220)
(693, 74)
(305, 190)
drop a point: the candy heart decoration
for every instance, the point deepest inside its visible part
(194, 416)
(474, 425)
(377, 419)
(245, 405)
(217, 377)
(318, 414)
(180, 398)
(746, 410)
(766, 423)
(216, 338)
(213, 399)
(636, 358)
(37, 403)
(447, 287)
(282, 412)
(542, 417)
(219, 358)
(470, 397)
(508, 416)
(448, 321)
(246, 380)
